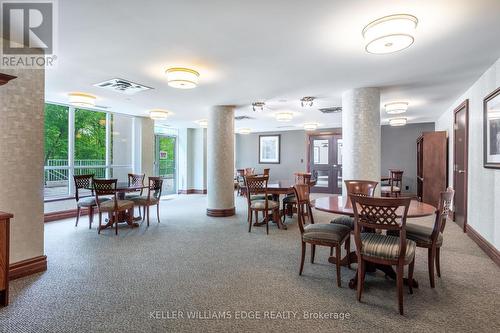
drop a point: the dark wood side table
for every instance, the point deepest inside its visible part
(4, 257)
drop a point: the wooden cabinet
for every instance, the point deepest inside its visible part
(432, 166)
(4, 257)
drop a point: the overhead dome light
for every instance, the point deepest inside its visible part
(202, 123)
(245, 131)
(284, 116)
(159, 114)
(397, 121)
(182, 78)
(396, 107)
(81, 99)
(310, 126)
(390, 33)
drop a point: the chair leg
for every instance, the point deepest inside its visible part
(331, 251)
(302, 257)
(143, 212)
(410, 275)
(431, 253)
(310, 213)
(249, 220)
(438, 265)
(91, 216)
(361, 277)
(266, 218)
(348, 251)
(158, 211)
(115, 218)
(100, 220)
(337, 256)
(399, 283)
(147, 212)
(78, 209)
(313, 252)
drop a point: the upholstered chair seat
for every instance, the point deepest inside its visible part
(325, 232)
(109, 205)
(132, 196)
(385, 247)
(261, 197)
(142, 200)
(388, 189)
(344, 220)
(422, 235)
(261, 204)
(290, 199)
(90, 201)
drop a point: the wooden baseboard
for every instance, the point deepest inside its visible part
(221, 212)
(486, 246)
(192, 191)
(63, 214)
(27, 267)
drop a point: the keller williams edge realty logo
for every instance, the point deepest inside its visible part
(29, 31)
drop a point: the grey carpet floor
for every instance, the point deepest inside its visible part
(190, 262)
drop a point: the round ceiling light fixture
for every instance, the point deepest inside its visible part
(245, 131)
(390, 34)
(182, 78)
(397, 121)
(202, 123)
(159, 114)
(311, 126)
(396, 107)
(284, 116)
(81, 99)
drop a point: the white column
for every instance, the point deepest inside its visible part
(361, 135)
(220, 161)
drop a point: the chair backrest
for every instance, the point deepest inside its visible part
(302, 177)
(256, 185)
(154, 188)
(136, 180)
(362, 187)
(380, 213)
(249, 171)
(396, 178)
(444, 207)
(83, 182)
(105, 187)
(266, 171)
(302, 192)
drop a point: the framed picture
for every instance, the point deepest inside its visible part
(269, 149)
(491, 132)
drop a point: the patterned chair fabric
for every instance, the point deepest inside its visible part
(90, 201)
(143, 200)
(261, 204)
(325, 232)
(261, 197)
(385, 247)
(344, 220)
(109, 205)
(422, 235)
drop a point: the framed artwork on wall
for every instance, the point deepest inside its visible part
(269, 149)
(491, 133)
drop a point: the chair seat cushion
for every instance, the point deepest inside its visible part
(388, 189)
(333, 233)
(132, 195)
(421, 234)
(290, 199)
(261, 204)
(261, 197)
(90, 201)
(344, 220)
(143, 200)
(109, 206)
(385, 247)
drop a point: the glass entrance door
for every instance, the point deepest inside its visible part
(165, 162)
(325, 163)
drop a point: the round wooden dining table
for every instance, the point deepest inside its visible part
(337, 204)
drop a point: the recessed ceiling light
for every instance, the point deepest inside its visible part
(284, 116)
(245, 131)
(390, 33)
(81, 99)
(311, 126)
(397, 121)
(159, 114)
(396, 107)
(202, 123)
(182, 78)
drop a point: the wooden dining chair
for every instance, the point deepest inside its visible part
(107, 187)
(432, 239)
(84, 182)
(151, 199)
(330, 235)
(135, 180)
(266, 171)
(395, 184)
(249, 171)
(290, 200)
(257, 185)
(240, 182)
(382, 214)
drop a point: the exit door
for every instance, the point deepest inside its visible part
(325, 163)
(165, 161)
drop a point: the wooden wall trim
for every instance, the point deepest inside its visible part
(192, 191)
(27, 267)
(221, 212)
(63, 214)
(486, 246)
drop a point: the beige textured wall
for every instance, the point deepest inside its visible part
(147, 147)
(21, 160)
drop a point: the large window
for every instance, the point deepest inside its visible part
(80, 141)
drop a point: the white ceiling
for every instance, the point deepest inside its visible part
(276, 51)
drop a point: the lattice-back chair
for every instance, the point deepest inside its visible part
(249, 171)
(330, 235)
(432, 239)
(151, 199)
(84, 182)
(107, 187)
(383, 214)
(240, 181)
(290, 201)
(135, 179)
(395, 184)
(257, 185)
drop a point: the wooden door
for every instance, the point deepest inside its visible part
(325, 163)
(460, 144)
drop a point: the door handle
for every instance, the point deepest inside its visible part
(461, 171)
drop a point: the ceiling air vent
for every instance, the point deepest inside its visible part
(122, 86)
(242, 118)
(333, 109)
